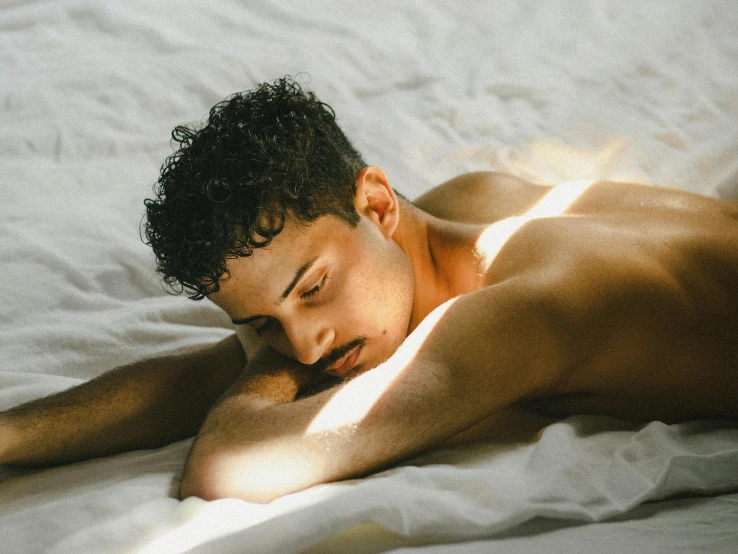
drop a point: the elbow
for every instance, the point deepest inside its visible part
(201, 483)
(261, 480)
(213, 479)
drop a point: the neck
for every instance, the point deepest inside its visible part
(442, 256)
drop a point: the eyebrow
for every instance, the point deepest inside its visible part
(298, 275)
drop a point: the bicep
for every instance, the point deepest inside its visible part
(471, 357)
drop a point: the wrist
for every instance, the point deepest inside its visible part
(7, 437)
(277, 386)
(273, 377)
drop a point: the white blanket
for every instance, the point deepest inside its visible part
(89, 92)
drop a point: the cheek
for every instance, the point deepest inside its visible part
(389, 303)
(360, 307)
(376, 297)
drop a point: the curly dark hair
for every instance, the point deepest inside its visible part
(264, 155)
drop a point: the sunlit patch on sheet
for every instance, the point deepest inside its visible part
(199, 522)
(553, 161)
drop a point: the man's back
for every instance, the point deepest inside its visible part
(643, 279)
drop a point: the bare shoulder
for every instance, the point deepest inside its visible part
(647, 299)
(480, 197)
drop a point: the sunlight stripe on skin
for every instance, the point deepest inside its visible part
(556, 201)
(352, 402)
(354, 399)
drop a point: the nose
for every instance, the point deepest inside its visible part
(310, 341)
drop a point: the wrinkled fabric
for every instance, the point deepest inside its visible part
(89, 94)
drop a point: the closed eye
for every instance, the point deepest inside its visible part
(316, 289)
(269, 322)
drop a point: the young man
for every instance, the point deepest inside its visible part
(433, 318)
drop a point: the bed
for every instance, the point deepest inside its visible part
(427, 89)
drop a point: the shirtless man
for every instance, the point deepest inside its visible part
(488, 292)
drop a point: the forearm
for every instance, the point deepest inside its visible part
(269, 380)
(143, 405)
(258, 443)
(258, 447)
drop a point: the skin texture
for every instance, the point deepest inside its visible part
(623, 302)
(307, 326)
(645, 281)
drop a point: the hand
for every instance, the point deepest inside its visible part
(273, 376)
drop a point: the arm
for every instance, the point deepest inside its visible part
(470, 358)
(144, 405)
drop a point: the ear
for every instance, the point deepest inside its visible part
(375, 199)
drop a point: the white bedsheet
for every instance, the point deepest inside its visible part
(89, 92)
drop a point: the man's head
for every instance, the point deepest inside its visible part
(270, 212)
(264, 155)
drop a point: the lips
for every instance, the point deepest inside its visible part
(345, 364)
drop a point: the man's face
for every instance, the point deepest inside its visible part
(328, 295)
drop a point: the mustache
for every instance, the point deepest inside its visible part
(326, 361)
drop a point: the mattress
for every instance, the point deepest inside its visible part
(550, 91)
